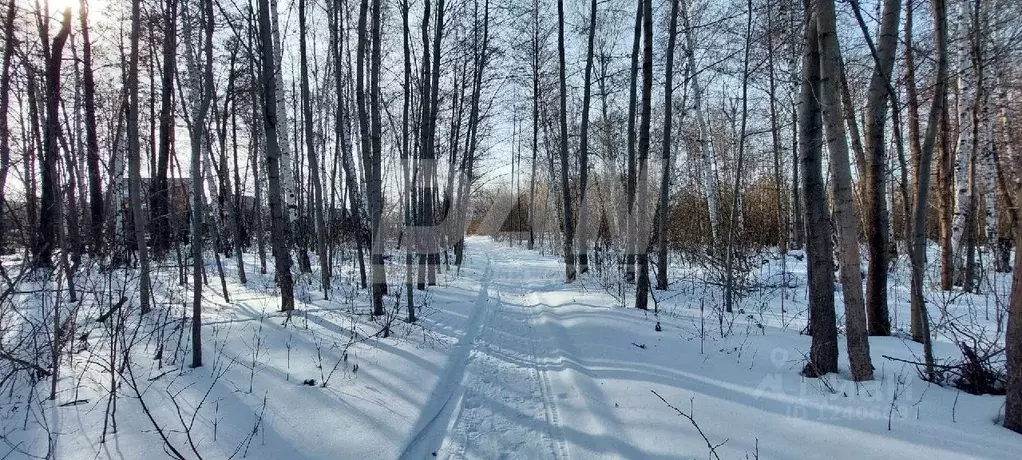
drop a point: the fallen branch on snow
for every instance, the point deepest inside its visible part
(709, 445)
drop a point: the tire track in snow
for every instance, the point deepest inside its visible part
(434, 419)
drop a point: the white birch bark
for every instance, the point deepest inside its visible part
(194, 102)
(988, 170)
(287, 177)
(211, 186)
(987, 182)
(1008, 156)
(709, 178)
(963, 199)
(120, 192)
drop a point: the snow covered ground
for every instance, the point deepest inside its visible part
(507, 362)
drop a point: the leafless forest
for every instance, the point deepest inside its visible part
(156, 155)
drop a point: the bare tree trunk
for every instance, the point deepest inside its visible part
(452, 232)
(569, 224)
(844, 201)
(798, 227)
(1013, 339)
(734, 221)
(160, 201)
(819, 248)
(665, 156)
(5, 95)
(279, 227)
(583, 151)
(1010, 188)
(971, 223)
(966, 140)
(214, 173)
(406, 161)
(91, 138)
(427, 151)
(50, 221)
(861, 164)
(351, 181)
(918, 254)
(775, 138)
(317, 187)
(290, 196)
(630, 232)
(945, 197)
(425, 107)
(257, 135)
(915, 149)
(49, 217)
(365, 146)
(986, 167)
(134, 158)
(642, 226)
(709, 178)
(553, 194)
(200, 101)
(33, 152)
(480, 59)
(535, 50)
(618, 220)
(879, 238)
(237, 204)
(430, 173)
(374, 167)
(227, 195)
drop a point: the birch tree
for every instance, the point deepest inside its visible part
(630, 178)
(966, 138)
(915, 148)
(569, 219)
(287, 177)
(278, 224)
(310, 148)
(1013, 341)
(583, 150)
(642, 226)
(709, 178)
(374, 166)
(5, 87)
(50, 204)
(841, 187)
(134, 156)
(879, 93)
(918, 254)
(536, 48)
(91, 137)
(820, 264)
(665, 157)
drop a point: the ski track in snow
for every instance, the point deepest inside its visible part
(450, 387)
(506, 406)
(520, 369)
(553, 416)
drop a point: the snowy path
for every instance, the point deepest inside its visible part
(502, 393)
(553, 371)
(495, 397)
